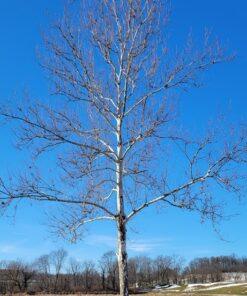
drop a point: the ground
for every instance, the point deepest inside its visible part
(220, 288)
(215, 289)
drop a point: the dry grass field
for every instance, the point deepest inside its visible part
(148, 294)
(218, 293)
(237, 289)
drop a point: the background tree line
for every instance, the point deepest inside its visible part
(56, 273)
(213, 269)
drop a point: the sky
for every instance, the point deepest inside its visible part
(152, 233)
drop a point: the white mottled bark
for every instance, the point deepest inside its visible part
(122, 259)
(121, 218)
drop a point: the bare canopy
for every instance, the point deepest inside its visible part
(110, 123)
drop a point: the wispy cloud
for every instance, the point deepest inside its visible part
(8, 248)
(145, 245)
(105, 240)
(134, 245)
(12, 250)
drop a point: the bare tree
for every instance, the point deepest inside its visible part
(103, 271)
(145, 271)
(4, 285)
(109, 123)
(58, 258)
(133, 273)
(19, 275)
(163, 266)
(43, 268)
(88, 275)
(108, 265)
(75, 269)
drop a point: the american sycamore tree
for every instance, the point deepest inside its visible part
(111, 124)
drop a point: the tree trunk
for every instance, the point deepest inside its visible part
(122, 251)
(103, 280)
(122, 258)
(121, 222)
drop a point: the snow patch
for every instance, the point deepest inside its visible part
(167, 287)
(225, 286)
(173, 287)
(212, 286)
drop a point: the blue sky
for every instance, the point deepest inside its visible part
(167, 232)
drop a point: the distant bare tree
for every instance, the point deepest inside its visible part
(18, 274)
(163, 267)
(132, 273)
(58, 258)
(109, 127)
(88, 275)
(145, 270)
(103, 271)
(3, 280)
(75, 269)
(108, 265)
(43, 267)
